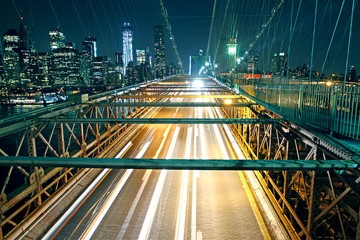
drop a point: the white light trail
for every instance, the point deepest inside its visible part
(105, 208)
(180, 223)
(145, 230)
(196, 174)
(133, 206)
(218, 137)
(124, 150)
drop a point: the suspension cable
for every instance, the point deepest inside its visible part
(171, 36)
(211, 29)
(332, 38)
(313, 41)
(349, 42)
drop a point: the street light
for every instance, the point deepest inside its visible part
(232, 49)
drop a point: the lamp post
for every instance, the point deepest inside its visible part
(232, 56)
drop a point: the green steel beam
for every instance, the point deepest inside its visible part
(179, 96)
(163, 120)
(184, 90)
(211, 164)
(170, 104)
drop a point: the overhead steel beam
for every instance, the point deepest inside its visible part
(179, 96)
(170, 104)
(184, 90)
(211, 164)
(164, 120)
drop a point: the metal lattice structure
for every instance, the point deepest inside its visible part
(309, 204)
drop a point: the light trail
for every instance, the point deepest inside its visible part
(180, 223)
(181, 217)
(196, 174)
(133, 206)
(105, 208)
(218, 136)
(145, 230)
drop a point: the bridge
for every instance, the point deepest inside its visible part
(221, 155)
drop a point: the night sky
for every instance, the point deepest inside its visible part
(190, 20)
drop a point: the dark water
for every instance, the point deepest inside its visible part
(7, 111)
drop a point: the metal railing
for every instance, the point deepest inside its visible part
(332, 107)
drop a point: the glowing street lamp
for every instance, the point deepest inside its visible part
(228, 101)
(232, 49)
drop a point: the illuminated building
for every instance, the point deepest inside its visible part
(11, 57)
(57, 40)
(100, 72)
(253, 63)
(92, 43)
(65, 67)
(127, 34)
(159, 50)
(85, 63)
(140, 56)
(279, 64)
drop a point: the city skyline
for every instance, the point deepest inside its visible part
(82, 20)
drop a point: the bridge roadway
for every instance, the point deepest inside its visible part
(162, 204)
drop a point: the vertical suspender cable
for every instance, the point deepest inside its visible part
(349, 42)
(171, 36)
(332, 38)
(211, 28)
(313, 42)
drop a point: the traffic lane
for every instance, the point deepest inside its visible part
(223, 208)
(114, 222)
(78, 223)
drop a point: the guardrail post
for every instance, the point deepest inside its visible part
(333, 109)
(301, 95)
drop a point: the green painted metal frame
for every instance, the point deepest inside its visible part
(198, 164)
(164, 120)
(171, 104)
(180, 96)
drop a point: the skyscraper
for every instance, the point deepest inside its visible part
(279, 63)
(140, 56)
(11, 56)
(57, 40)
(92, 41)
(253, 63)
(159, 50)
(24, 38)
(127, 34)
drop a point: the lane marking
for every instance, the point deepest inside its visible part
(124, 150)
(133, 206)
(65, 218)
(181, 215)
(193, 205)
(254, 207)
(218, 137)
(162, 142)
(180, 223)
(146, 227)
(105, 208)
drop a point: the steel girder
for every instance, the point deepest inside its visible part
(170, 104)
(182, 164)
(162, 120)
(310, 204)
(36, 138)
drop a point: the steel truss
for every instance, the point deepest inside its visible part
(311, 204)
(19, 198)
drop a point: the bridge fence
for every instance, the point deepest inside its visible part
(333, 108)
